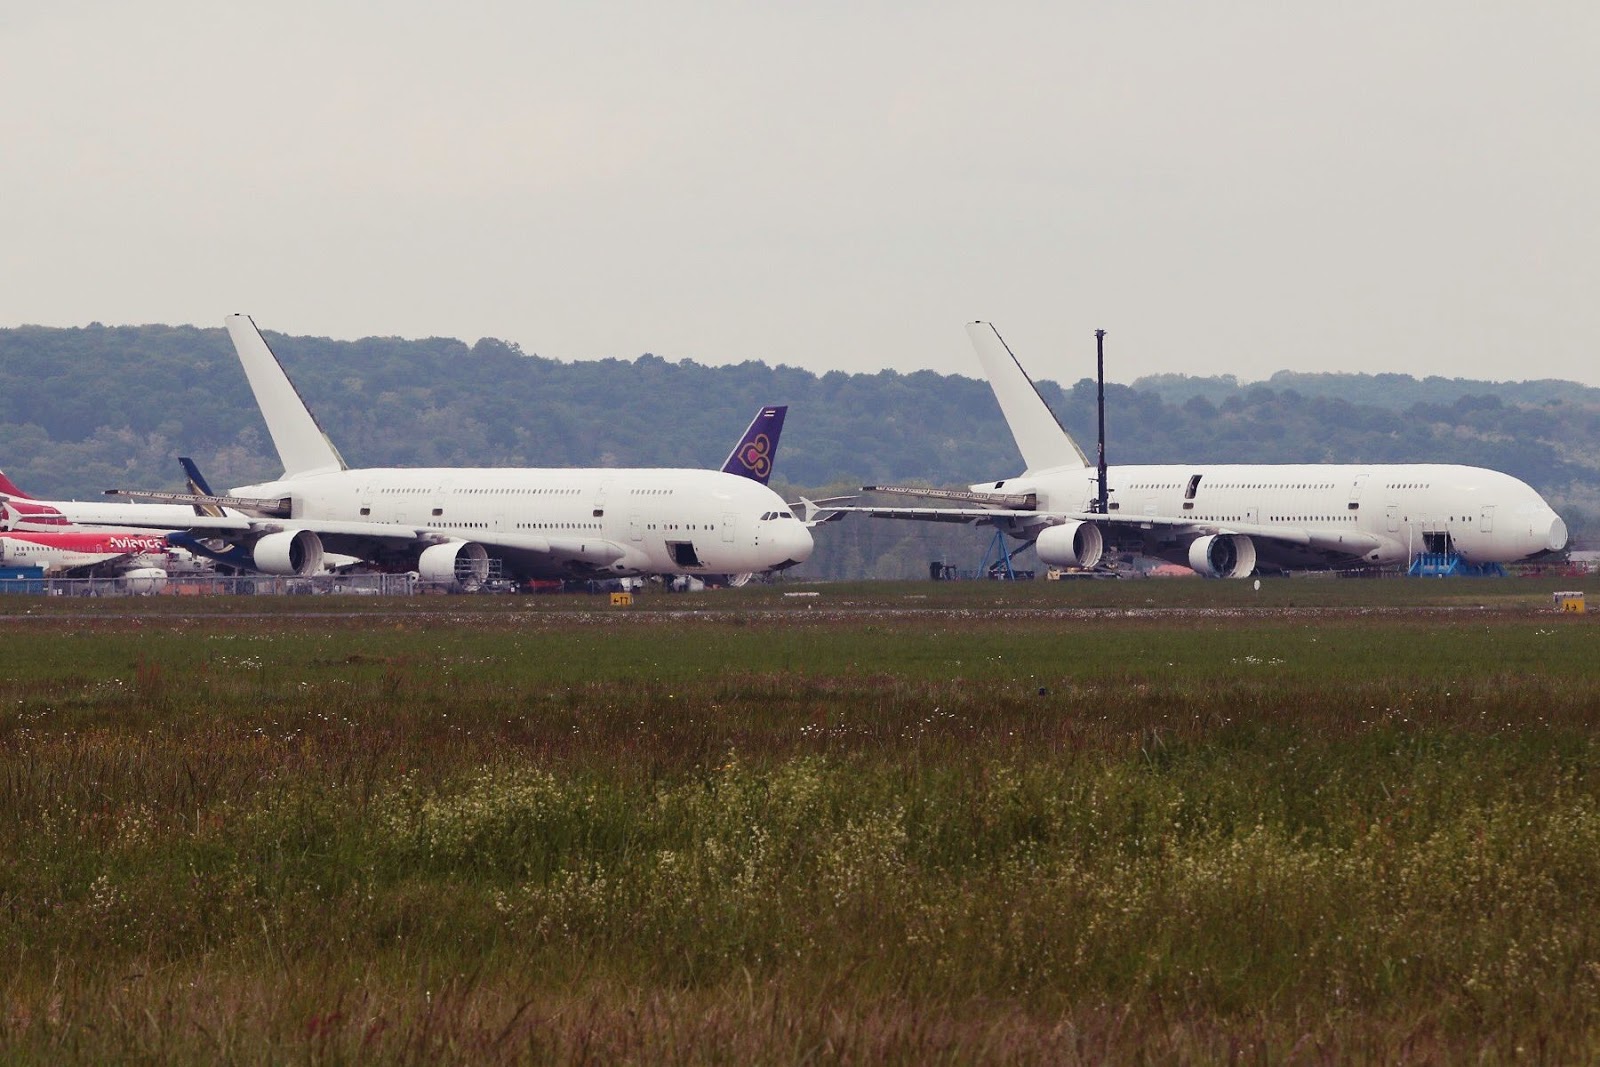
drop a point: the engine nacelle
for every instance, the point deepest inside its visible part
(144, 581)
(290, 552)
(463, 562)
(1072, 544)
(1223, 556)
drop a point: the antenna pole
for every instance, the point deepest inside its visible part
(1100, 402)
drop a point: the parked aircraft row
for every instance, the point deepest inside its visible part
(448, 524)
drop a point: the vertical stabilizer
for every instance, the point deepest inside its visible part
(199, 486)
(1040, 437)
(9, 488)
(301, 444)
(752, 457)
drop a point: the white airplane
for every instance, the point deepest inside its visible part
(1228, 520)
(446, 523)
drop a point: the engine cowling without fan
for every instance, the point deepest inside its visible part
(1223, 556)
(1071, 544)
(465, 563)
(289, 552)
(145, 580)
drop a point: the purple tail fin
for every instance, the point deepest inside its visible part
(752, 457)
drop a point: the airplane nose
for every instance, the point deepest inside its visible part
(797, 543)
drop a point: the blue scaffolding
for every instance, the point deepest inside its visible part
(998, 556)
(1450, 565)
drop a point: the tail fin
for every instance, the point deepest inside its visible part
(301, 444)
(1042, 440)
(9, 488)
(197, 485)
(752, 457)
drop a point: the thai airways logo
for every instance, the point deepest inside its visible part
(755, 455)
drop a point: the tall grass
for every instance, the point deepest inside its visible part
(784, 835)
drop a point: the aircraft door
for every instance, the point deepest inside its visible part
(1393, 515)
(1486, 520)
(1250, 516)
(635, 528)
(729, 524)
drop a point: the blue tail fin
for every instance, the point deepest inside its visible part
(197, 481)
(197, 485)
(752, 457)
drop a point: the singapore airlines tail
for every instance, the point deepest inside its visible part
(199, 487)
(1042, 440)
(302, 445)
(752, 457)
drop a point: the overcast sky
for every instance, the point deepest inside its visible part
(1225, 188)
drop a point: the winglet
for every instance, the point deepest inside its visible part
(752, 457)
(301, 443)
(1042, 440)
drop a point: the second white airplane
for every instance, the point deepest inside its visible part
(447, 523)
(1228, 520)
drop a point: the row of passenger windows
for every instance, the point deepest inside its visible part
(1252, 485)
(399, 491)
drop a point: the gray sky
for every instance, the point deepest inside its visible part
(1225, 187)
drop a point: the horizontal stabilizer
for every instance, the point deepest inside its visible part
(211, 504)
(814, 513)
(1024, 501)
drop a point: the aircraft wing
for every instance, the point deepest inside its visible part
(939, 514)
(1325, 539)
(369, 540)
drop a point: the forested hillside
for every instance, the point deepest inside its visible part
(85, 409)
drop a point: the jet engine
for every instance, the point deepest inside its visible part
(1223, 556)
(463, 562)
(289, 552)
(1072, 544)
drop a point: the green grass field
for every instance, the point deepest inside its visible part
(1325, 820)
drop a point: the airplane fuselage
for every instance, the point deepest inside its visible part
(63, 551)
(571, 521)
(1349, 514)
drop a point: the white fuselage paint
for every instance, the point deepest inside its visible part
(656, 516)
(1391, 511)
